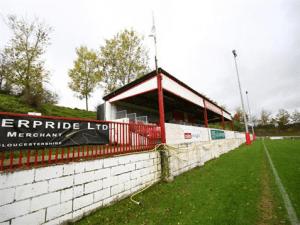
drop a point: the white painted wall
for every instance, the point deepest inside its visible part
(54, 194)
(196, 154)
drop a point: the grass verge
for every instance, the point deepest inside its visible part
(227, 190)
(13, 104)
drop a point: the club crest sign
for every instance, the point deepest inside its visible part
(23, 132)
(217, 134)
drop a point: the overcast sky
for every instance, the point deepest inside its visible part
(195, 40)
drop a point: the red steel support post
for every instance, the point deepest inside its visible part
(223, 122)
(205, 117)
(232, 127)
(161, 108)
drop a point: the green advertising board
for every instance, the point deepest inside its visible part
(217, 134)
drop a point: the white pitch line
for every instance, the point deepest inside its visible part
(287, 202)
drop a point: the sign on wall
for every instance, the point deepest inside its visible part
(24, 132)
(217, 134)
(191, 136)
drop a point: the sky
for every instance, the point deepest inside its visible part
(195, 40)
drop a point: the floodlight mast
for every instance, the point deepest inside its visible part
(252, 126)
(248, 141)
(160, 89)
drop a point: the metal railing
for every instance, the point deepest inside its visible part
(124, 138)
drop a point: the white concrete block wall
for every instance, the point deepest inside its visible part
(52, 195)
(196, 154)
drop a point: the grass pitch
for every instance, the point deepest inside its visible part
(285, 155)
(237, 188)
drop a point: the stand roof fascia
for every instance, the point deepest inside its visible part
(147, 83)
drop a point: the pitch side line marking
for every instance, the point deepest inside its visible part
(287, 202)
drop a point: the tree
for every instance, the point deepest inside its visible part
(4, 71)
(265, 117)
(238, 116)
(295, 117)
(86, 73)
(124, 58)
(238, 120)
(282, 118)
(23, 55)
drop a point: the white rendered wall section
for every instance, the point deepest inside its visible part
(136, 90)
(172, 86)
(110, 111)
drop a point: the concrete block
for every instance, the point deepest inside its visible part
(94, 165)
(143, 156)
(59, 220)
(136, 188)
(92, 207)
(130, 184)
(29, 219)
(124, 159)
(153, 169)
(145, 171)
(84, 177)
(139, 180)
(66, 195)
(5, 223)
(16, 178)
(31, 190)
(109, 182)
(150, 162)
(46, 173)
(123, 195)
(45, 201)
(78, 214)
(69, 169)
(100, 195)
(9, 211)
(58, 210)
(83, 201)
(110, 201)
(80, 167)
(123, 178)
(117, 170)
(153, 155)
(60, 183)
(110, 162)
(135, 174)
(103, 173)
(7, 196)
(135, 158)
(141, 165)
(93, 186)
(117, 189)
(78, 190)
(129, 167)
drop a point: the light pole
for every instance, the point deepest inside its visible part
(254, 139)
(248, 141)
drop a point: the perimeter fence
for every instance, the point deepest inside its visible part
(79, 140)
